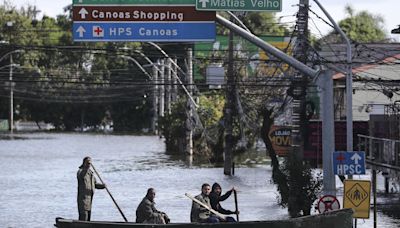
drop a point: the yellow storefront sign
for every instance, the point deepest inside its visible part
(357, 194)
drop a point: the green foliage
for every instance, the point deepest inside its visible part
(264, 24)
(171, 127)
(298, 185)
(362, 27)
(57, 84)
(211, 108)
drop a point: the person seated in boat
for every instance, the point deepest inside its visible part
(147, 213)
(86, 186)
(200, 213)
(216, 198)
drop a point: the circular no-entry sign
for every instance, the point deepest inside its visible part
(328, 203)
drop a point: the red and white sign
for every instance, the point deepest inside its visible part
(98, 31)
(328, 203)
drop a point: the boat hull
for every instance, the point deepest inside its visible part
(335, 219)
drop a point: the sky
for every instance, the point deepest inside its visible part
(388, 9)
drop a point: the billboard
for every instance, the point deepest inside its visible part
(281, 139)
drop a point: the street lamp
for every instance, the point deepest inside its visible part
(137, 64)
(11, 118)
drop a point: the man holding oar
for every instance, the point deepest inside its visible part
(86, 185)
(216, 197)
(201, 213)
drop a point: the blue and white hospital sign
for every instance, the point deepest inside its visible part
(348, 163)
(139, 31)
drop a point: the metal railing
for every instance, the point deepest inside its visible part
(382, 153)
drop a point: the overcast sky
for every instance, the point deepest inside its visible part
(388, 9)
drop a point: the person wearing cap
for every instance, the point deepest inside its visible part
(147, 213)
(86, 185)
(216, 198)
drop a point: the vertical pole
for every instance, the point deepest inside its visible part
(155, 101)
(189, 131)
(349, 82)
(299, 90)
(169, 87)
(386, 185)
(11, 122)
(229, 110)
(162, 88)
(374, 192)
(174, 80)
(328, 132)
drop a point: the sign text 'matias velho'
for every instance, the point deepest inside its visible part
(243, 3)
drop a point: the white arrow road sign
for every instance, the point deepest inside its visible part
(204, 3)
(81, 30)
(356, 158)
(83, 12)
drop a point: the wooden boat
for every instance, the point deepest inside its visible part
(334, 219)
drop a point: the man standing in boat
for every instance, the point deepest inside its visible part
(200, 213)
(216, 198)
(86, 185)
(146, 211)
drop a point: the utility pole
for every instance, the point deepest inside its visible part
(298, 92)
(162, 88)
(169, 87)
(11, 122)
(189, 131)
(299, 85)
(174, 81)
(154, 125)
(325, 82)
(229, 109)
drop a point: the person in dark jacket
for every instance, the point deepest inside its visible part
(86, 185)
(147, 213)
(216, 198)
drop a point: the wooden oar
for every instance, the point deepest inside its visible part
(236, 205)
(206, 207)
(115, 202)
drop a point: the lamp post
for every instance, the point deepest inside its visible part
(11, 117)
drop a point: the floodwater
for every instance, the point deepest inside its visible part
(38, 180)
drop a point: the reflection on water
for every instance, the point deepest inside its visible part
(38, 180)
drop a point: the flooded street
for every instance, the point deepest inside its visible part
(38, 180)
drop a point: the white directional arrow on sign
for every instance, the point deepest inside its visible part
(81, 30)
(204, 3)
(83, 12)
(356, 158)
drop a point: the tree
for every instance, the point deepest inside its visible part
(361, 27)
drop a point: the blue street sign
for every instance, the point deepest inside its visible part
(348, 163)
(140, 31)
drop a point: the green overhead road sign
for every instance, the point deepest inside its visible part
(239, 5)
(134, 2)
